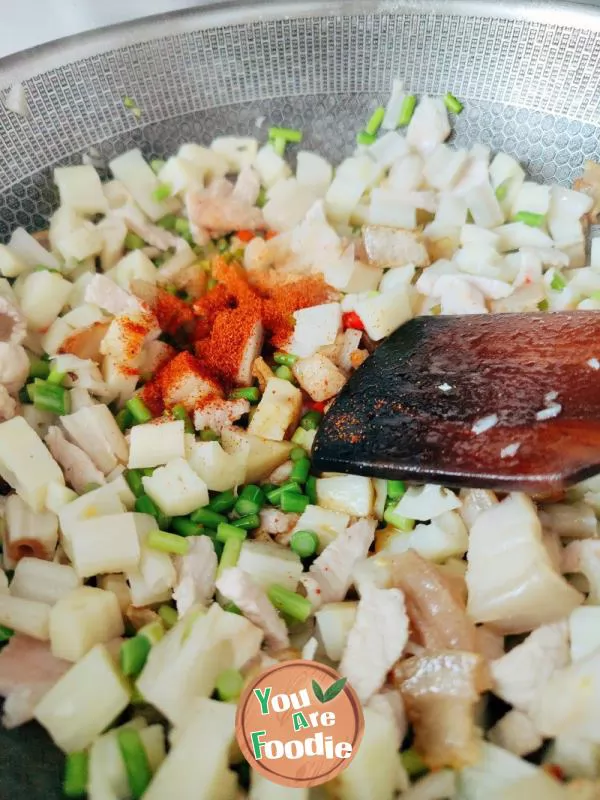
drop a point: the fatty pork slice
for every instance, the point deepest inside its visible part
(333, 569)
(27, 671)
(440, 690)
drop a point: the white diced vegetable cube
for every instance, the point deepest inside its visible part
(426, 502)
(81, 619)
(333, 624)
(25, 616)
(84, 702)
(176, 488)
(315, 327)
(95, 430)
(325, 523)
(383, 313)
(83, 242)
(262, 455)
(351, 494)
(134, 266)
(25, 462)
(180, 174)
(314, 171)
(153, 579)
(153, 444)
(80, 189)
(239, 151)
(104, 544)
(27, 249)
(271, 167)
(484, 206)
(584, 630)
(278, 411)
(352, 178)
(387, 208)
(270, 563)
(44, 294)
(44, 581)
(29, 531)
(319, 377)
(212, 164)
(117, 584)
(218, 469)
(197, 764)
(10, 264)
(132, 170)
(533, 198)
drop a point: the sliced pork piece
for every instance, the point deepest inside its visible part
(85, 343)
(222, 214)
(519, 676)
(104, 293)
(247, 186)
(440, 691)
(238, 587)
(8, 406)
(14, 366)
(27, 671)
(80, 471)
(218, 414)
(196, 573)
(153, 235)
(376, 640)
(333, 569)
(435, 604)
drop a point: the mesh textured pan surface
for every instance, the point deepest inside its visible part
(528, 76)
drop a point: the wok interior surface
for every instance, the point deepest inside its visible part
(529, 82)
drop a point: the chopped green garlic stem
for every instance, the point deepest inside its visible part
(76, 774)
(223, 502)
(134, 481)
(407, 109)
(49, 397)
(133, 241)
(222, 245)
(395, 489)
(205, 516)
(225, 531)
(290, 603)
(230, 555)
(285, 373)
(558, 283)
(185, 527)
(362, 137)
(5, 633)
(138, 409)
(398, 521)
(297, 454)
(133, 655)
(56, 378)
(262, 197)
(311, 489)
(293, 503)
(287, 134)
(168, 222)
(153, 631)
(274, 495)
(162, 192)
(254, 494)
(136, 762)
(248, 523)
(300, 470)
(182, 226)
(530, 218)
(542, 305)
(168, 615)
(413, 763)
(278, 145)
(167, 542)
(90, 487)
(124, 419)
(304, 543)
(156, 165)
(179, 412)
(595, 296)
(38, 368)
(250, 393)
(229, 685)
(287, 359)
(375, 121)
(232, 608)
(208, 435)
(144, 505)
(452, 103)
(311, 420)
(129, 102)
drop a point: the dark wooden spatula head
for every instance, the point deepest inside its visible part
(413, 408)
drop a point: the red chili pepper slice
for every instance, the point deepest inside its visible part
(351, 320)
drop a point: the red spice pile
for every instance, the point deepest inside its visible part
(221, 325)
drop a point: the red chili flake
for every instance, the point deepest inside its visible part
(351, 320)
(316, 405)
(555, 771)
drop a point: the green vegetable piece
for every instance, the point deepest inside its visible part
(304, 543)
(136, 762)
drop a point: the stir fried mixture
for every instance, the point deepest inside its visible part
(167, 350)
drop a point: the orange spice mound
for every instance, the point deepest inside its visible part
(171, 312)
(223, 350)
(182, 380)
(282, 300)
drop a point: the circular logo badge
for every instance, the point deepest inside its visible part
(299, 723)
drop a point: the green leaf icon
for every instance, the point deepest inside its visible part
(334, 689)
(318, 692)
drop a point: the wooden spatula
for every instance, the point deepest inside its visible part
(422, 406)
